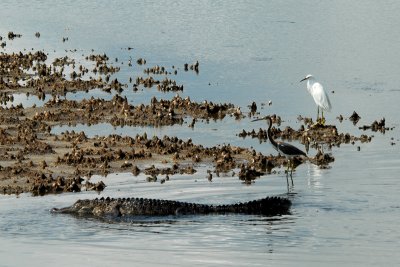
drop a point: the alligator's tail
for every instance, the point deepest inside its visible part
(269, 206)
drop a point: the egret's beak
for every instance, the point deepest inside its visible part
(304, 79)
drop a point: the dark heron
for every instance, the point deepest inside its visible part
(286, 149)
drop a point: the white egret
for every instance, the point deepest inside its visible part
(320, 96)
(288, 150)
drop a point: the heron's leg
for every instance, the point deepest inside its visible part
(287, 166)
(322, 118)
(291, 171)
(287, 176)
(287, 181)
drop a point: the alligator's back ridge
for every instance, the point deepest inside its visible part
(110, 207)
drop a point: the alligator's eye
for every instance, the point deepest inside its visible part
(77, 203)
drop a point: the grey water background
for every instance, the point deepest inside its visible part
(248, 51)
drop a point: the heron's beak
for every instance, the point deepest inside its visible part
(303, 79)
(259, 119)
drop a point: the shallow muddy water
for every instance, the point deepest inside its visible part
(248, 51)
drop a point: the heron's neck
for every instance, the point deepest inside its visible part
(271, 139)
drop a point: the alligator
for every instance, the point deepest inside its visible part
(121, 207)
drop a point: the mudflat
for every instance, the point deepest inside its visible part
(33, 159)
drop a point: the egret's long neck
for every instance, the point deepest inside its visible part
(310, 83)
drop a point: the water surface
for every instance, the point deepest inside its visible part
(248, 51)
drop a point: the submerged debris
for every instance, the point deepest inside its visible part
(354, 118)
(313, 135)
(322, 159)
(141, 61)
(12, 35)
(376, 126)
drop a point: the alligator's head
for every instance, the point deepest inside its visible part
(79, 207)
(97, 207)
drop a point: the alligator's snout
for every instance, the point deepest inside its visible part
(54, 210)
